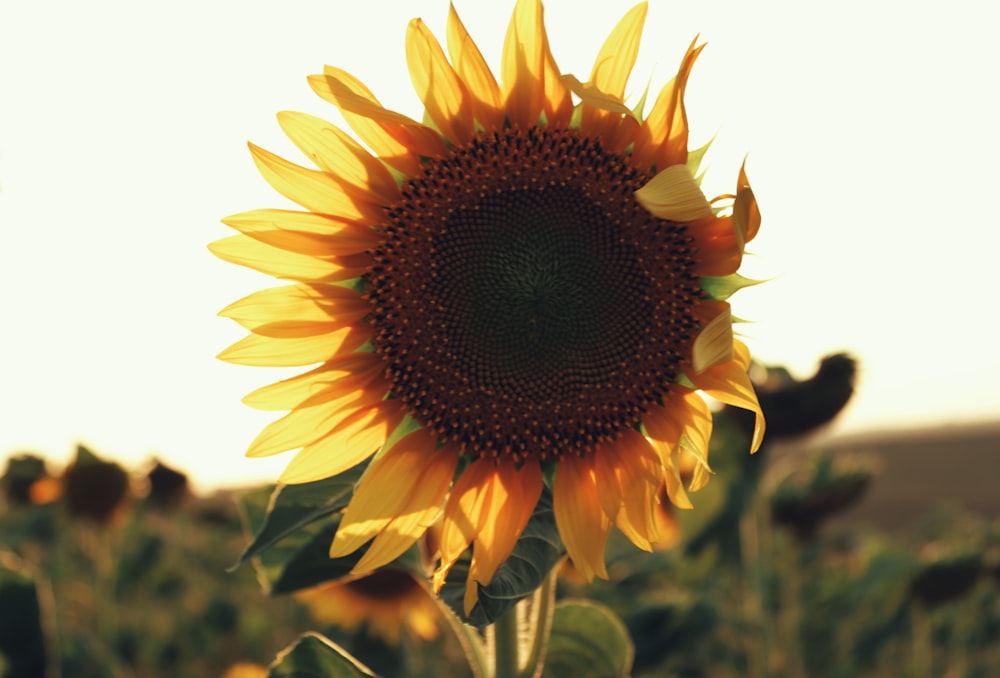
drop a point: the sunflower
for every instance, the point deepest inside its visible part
(386, 601)
(527, 288)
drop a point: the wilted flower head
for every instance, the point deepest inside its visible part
(525, 286)
(95, 489)
(945, 574)
(805, 500)
(168, 487)
(22, 473)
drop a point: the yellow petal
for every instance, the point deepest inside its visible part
(714, 344)
(697, 432)
(663, 137)
(315, 190)
(341, 449)
(445, 98)
(337, 153)
(729, 383)
(505, 503)
(670, 458)
(294, 306)
(304, 425)
(674, 194)
(304, 232)
(617, 56)
(396, 500)
(531, 81)
(365, 115)
(336, 378)
(746, 213)
(582, 523)
(633, 465)
(384, 145)
(258, 255)
(260, 350)
(512, 493)
(458, 528)
(472, 68)
(591, 96)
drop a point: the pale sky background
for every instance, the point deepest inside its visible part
(871, 127)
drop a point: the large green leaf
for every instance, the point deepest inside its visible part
(301, 559)
(587, 641)
(535, 554)
(308, 565)
(22, 643)
(292, 507)
(313, 656)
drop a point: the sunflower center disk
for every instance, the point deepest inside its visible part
(524, 302)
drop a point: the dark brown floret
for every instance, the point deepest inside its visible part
(524, 302)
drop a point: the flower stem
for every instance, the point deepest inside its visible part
(505, 649)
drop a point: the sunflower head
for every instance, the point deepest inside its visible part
(530, 280)
(385, 602)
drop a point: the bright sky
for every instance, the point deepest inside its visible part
(872, 137)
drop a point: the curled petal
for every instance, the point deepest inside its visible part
(719, 249)
(729, 383)
(746, 214)
(674, 194)
(663, 138)
(714, 344)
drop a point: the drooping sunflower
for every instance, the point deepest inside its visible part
(529, 285)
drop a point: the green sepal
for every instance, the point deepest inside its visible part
(588, 641)
(640, 106)
(315, 656)
(695, 157)
(292, 507)
(723, 287)
(537, 551)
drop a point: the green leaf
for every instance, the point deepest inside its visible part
(535, 554)
(302, 560)
(292, 507)
(314, 656)
(310, 564)
(22, 643)
(695, 157)
(587, 641)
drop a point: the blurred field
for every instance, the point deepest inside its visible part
(955, 465)
(795, 563)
